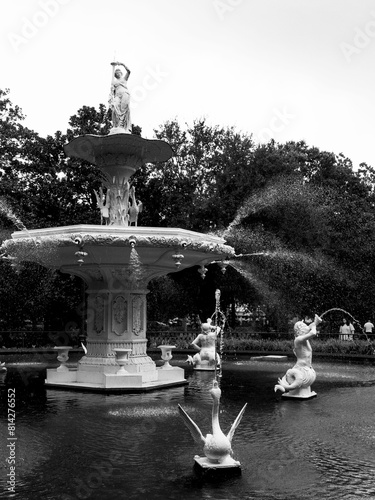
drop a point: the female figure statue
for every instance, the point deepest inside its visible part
(119, 99)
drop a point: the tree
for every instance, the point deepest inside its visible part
(317, 229)
(192, 190)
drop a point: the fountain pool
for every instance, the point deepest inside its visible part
(73, 445)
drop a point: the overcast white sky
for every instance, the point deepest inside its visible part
(287, 69)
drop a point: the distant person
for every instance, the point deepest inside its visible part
(346, 330)
(368, 327)
(352, 330)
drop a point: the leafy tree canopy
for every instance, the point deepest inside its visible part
(306, 211)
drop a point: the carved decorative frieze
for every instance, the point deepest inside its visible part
(138, 313)
(66, 239)
(139, 348)
(120, 315)
(102, 349)
(98, 302)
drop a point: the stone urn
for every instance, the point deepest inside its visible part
(122, 358)
(166, 355)
(63, 356)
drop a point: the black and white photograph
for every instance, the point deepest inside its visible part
(187, 250)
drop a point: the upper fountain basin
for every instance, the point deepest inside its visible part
(118, 154)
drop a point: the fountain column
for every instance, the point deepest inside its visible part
(116, 319)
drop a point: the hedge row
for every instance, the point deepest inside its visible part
(329, 346)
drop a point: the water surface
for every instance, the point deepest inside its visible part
(82, 445)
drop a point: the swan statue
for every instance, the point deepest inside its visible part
(217, 446)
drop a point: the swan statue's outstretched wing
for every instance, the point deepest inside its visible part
(236, 423)
(192, 426)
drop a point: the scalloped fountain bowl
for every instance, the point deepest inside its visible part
(160, 250)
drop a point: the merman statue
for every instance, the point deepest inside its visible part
(205, 343)
(297, 381)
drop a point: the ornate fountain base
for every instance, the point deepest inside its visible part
(107, 379)
(102, 373)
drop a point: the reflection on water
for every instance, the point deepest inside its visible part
(73, 445)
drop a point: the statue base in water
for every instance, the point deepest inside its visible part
(270, 357)
(216, 471)
(204, 366)
(300, 394)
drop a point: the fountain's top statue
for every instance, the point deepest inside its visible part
(120, 153)
(119, 99)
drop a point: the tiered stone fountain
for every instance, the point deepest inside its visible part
(116, 260)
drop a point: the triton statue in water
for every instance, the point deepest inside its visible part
(207, 357)
(297, 381)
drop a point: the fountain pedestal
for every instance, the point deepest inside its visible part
(301, 393)
(216, 472)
